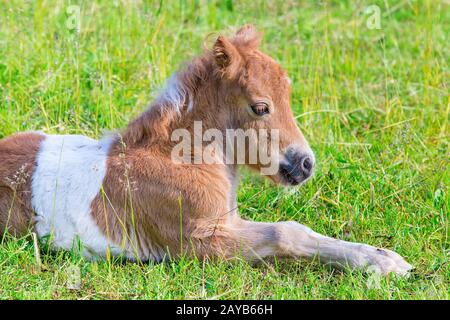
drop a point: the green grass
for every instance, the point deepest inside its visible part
(374, 105)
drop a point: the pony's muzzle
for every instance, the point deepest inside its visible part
(297, 166)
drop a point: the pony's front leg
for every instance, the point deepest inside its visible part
(291, 239)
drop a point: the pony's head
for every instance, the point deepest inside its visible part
(233, 86)
(257, 90)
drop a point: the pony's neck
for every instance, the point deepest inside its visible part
(190, 95)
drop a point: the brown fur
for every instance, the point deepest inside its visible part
(17, 163)
(144, 188)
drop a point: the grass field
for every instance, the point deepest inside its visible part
(373, 100)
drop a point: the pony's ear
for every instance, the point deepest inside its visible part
(227, 57)
(248, 37)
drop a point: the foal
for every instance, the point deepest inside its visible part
(126, 195)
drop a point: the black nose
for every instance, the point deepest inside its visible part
(297, 167)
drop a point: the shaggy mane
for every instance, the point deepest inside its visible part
(176, 98)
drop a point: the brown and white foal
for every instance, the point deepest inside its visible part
(124, 195)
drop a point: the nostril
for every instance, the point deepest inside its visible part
(307, 164)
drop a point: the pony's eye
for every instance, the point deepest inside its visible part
(260, 108)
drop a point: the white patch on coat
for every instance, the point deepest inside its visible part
(175, 94)
(69, 173)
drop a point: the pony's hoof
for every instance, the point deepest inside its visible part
(384, 261)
